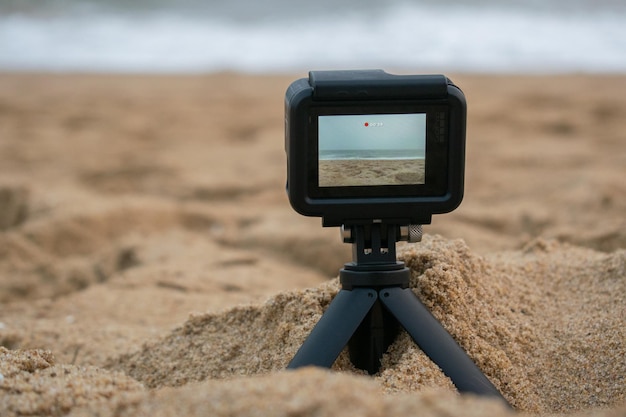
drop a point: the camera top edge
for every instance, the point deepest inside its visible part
(376, 84)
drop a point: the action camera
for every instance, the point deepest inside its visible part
(371, 147)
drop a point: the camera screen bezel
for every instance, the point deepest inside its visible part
(436, 154)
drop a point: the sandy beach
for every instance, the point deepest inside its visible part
(366, 172)
(150, 263)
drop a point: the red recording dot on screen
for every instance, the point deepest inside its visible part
(366, 124)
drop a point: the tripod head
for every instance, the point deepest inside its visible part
(365, 238)
(374, 262)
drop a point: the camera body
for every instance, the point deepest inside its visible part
(368, 147)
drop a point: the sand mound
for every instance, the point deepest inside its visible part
(497, 310)
(304, 392)
(31, 384)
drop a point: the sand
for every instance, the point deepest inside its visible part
(368, 172)
(150, 264)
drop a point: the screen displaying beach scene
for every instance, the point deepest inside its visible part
(372, 149)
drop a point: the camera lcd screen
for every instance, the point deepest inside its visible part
(371, 150)
(367, 152)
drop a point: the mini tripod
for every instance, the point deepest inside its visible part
(375, 300)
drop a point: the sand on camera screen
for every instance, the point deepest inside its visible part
(371, 149)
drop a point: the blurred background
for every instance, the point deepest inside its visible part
(187, 36)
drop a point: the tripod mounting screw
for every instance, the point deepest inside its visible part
(411, 233)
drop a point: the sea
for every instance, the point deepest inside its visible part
(387, 154)
(286, 36)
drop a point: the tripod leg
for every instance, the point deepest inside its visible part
(436, 342)
(331, 334)
(372, 338)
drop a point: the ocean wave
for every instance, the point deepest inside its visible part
(405, 36)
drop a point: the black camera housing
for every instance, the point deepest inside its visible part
(312, 104)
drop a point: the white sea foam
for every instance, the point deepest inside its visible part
(405, 36)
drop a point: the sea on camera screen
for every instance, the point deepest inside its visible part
(371, 149)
